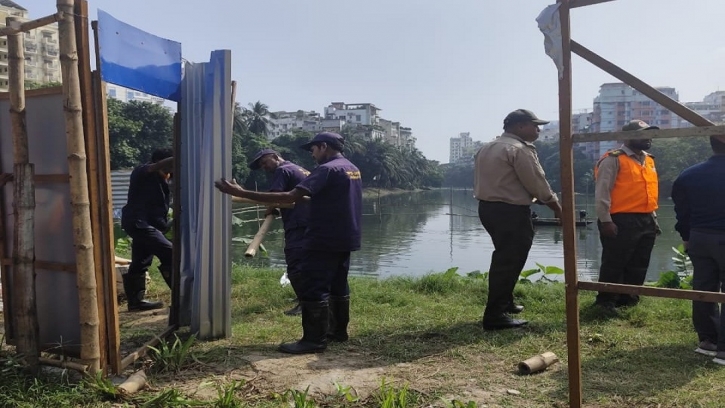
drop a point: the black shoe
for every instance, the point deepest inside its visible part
(135, 288)
(606, 307)
(627, 301)
(295, 311)
(143, 305)
(514, 309)
(502, 322)
(302, 347)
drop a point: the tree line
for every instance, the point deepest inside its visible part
(672, 156)
(137, 128)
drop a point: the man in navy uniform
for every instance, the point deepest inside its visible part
(285, 177)
(145, 220)
(335, 189)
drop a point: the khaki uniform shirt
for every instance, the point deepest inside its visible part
(508, 170)
(607, 171)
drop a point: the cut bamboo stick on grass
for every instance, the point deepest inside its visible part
(537, 363)
(133, 384)
(122, 261)
(254, 246)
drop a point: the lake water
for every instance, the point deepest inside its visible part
(413, 234)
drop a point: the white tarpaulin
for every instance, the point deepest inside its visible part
(550, 25)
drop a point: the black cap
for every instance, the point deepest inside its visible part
(254, 165)
(637, 125)
(522, 115)
(333, 139)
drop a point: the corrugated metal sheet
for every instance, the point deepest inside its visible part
(119, 190)
(206, 145)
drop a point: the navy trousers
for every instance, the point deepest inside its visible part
(148, 242)
(320, 274)
(707, 252)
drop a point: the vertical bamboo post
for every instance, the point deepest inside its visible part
(80, 205)
(568, 222)
(23, 296)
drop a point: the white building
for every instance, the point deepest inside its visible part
(618, 103)
(460, 146)
(128, 95)
(42, 62)
(283, 122)
(364, 115)
(712, 108)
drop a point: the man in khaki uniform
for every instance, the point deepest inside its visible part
(507, 179)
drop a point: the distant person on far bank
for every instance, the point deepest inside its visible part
(285, 177)
(699, 197)
(145, 220)
(625, 197)
(507, 179)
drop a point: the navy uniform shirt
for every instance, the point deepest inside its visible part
(335, 189)
(148, 200)
(285, 178)
(699, 197)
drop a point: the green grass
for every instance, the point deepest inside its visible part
(424, 338)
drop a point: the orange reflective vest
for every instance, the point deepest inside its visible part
(635, 189)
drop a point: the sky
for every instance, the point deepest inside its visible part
(438, 67)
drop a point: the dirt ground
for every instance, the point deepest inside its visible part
(482, 378)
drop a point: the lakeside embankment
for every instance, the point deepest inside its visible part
(421, 337)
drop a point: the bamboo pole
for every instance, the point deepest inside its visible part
(567, 219)
(25, 311)
(259, 236)
(17, 27)
(80, 205)
(242, 200)
(82, 368)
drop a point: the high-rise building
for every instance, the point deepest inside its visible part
(618, 103)
(42, 62)
(712, 108)
(128, 95)
(460, 146)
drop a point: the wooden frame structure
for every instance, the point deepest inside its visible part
(566, 143)
(92, 121)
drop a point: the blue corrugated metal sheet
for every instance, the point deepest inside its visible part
(206, 145)
(119, 190)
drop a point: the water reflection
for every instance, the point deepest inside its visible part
(416, 233)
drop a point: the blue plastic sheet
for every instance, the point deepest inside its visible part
(135, 59)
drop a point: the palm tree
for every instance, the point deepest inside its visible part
(257, 118)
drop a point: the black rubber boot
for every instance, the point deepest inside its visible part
(339, 318)
(314, 330)
(135, 288)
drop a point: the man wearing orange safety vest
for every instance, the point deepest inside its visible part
(626, 200)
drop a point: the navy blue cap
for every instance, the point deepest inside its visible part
(333, 139)
(254, 165)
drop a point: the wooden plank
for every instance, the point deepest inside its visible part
(52, 178)
(636, 83)
(653, 291)
(30, 25)
(100, 237)
(175, 311)
(4, 278)
(31, 93)
(568, 222)
(583, 3)
(112, 328)
(700, 131)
